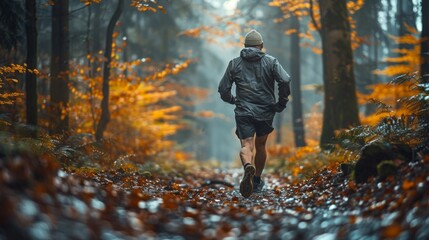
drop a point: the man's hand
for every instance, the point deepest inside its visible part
(233, 99)
(278, 107)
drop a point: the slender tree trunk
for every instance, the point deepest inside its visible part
(390, 22)
(96, 33)
(340, 109)
(88, 37)
(59, 90)
(92, 71)
(277, 46)
(297, 116)
(366, 58)
(105, 114)
(11, 26)
(30, 77)
(405, 16)
(424, 69)
(95, 50)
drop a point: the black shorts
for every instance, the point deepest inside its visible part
(247, 127)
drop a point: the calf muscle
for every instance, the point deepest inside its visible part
(261, 154)
(246, 151)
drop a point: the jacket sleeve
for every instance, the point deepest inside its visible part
(225, 86)
(283, 81)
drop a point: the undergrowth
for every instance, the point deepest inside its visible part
(409, 124)
(80, 153)
(405, 124)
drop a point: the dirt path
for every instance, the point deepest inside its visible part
(207, 205)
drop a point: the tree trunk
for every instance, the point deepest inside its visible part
(59, 90)
(96, 33)
(297, 116)
(424, 69)
(405, 16)
(105, 114)
(11, 23)
(340, 109)
(391, 29)
(94, 48)
(366, 55)
(277, 46)
(30, 77)
(92, 69)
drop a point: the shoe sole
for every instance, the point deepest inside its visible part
(246, 185)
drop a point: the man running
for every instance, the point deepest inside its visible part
(254, 74)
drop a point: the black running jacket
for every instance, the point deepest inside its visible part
(254, 74)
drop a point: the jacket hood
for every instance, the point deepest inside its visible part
(251, 54)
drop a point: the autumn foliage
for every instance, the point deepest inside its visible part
(309, 10)
(9, 92)
(142, 115)
(408, 59)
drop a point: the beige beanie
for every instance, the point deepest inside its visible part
(253, 38)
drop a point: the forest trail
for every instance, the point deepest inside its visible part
(206, 204)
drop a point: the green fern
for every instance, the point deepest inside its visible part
(412, 130)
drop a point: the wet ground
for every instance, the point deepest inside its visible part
(206, 204)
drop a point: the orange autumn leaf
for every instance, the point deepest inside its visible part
(206, 114)
(89, 2)
(392, 231)
(406, 185)
(352, 185)
(147, 5)
(181, 156)
(352, 219)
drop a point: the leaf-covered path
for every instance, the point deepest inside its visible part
(205, 204)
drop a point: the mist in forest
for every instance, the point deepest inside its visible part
(215, 138)
(374, 43)
(187, 46)
(218, 140)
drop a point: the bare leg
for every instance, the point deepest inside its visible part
(246, 156)
(261, 154)
(246, 151)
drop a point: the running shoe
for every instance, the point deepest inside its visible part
(246, 185)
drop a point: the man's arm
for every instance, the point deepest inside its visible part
(225, 86)
(283, 81)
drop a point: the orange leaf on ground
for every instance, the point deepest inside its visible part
(392, 231)
(406, 185)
